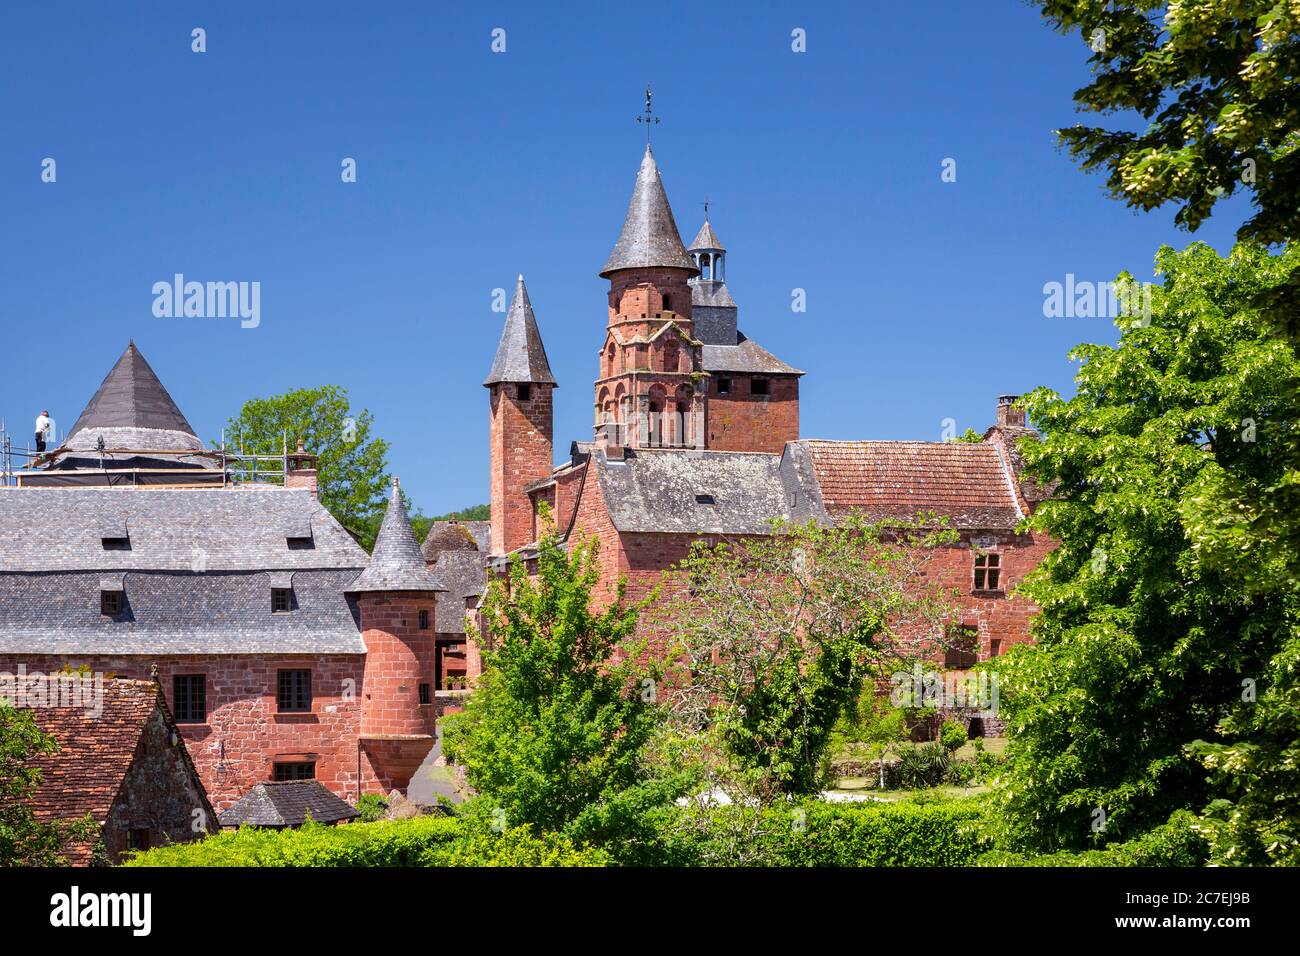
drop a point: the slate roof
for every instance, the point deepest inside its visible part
(463, 574)
(450, 536)
(669, 491)
(969, 483)
(287, 804)
(708, 293)
(649, 236)
(746, 356)
(520, 357)
(197, 575)
(179, 613)
(706, 240)
(131, 409)
(95, 753)
(232, 529)
(396, 563)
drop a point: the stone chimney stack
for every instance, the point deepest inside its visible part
(1010, 415)
(301, 470)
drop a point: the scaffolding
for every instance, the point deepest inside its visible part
(236, 467)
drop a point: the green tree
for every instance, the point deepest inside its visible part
(1172, 587)
(24, 840)
(774, 636)
(554, 734)
(352, 465)
(1215, 82)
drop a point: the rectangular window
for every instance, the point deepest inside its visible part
(724, 386)
(116, 544)
(294, 771)
(281, 600)
(758, 386)
(961, 650)
(525, 392)
(294, 692)
(110, 602)
(988, 571)
(190, 698)
(137, 838)
(424, 620)
(426, 694)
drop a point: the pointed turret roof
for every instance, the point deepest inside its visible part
(706, 240)
(132, 409)
(521, 357)
(396, 564)
(649, 236)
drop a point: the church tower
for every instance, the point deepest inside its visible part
(520, 386)
(649, 386)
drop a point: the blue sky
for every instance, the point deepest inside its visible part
(925, 298)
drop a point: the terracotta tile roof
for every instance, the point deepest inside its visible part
(967, 483)
(94, 752)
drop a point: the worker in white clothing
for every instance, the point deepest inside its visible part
(43, 424)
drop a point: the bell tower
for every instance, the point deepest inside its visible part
(649, 388)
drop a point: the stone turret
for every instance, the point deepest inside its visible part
(396, 596)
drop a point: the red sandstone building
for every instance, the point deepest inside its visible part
(697, 436)
(284, 650)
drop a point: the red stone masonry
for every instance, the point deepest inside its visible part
(519, 454)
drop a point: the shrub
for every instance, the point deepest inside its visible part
(952, 735)
(1174, 843)
(814, 833)
(923, 766)
(418, 841)
(372, 807)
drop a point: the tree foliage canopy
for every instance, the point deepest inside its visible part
(555, 731)
(1173, 591)
(352, 466)
(1215, 82)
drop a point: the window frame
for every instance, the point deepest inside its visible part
(281, 593)
(186, 716)
(278, 777)
(294, 692)
(986, 571)
(111, 603)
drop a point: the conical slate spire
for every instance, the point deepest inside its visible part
(396, 564)
(521, 357)
(649, 236)
(132, 409)
(706, 240)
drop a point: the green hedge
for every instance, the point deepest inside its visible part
(419, 841)
(814, 833)
(1174, 843)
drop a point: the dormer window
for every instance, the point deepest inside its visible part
(300, 543)
(281, 600)
(113, 535)
(705, 500)
(112, 595)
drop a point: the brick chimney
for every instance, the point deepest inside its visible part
(1010, 415)
(301, 470)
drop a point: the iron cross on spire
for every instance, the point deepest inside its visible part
(649, 117)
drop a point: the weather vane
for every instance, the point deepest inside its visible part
(706, 210)
(649, 117)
